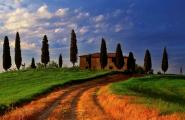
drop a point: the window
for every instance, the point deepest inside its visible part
(110, 67)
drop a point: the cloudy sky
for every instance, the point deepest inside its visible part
(136, 24)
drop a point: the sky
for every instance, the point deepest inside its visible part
(136, 24)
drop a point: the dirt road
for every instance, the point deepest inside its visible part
(77, 102)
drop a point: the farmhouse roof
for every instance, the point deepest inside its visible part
(97, 55)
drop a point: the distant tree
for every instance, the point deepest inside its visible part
(103, 54)
(73, 48)
(164, 65)
(60, 61)
(181, 71)
(131, 62)
(33, 66)
(18, 58)
(147, 61)
(119, 59)
(88, 59)
(6, 54)
(45, 51)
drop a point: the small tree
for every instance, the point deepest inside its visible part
(18, 58)
(88, 59)
(6, 54)
(45, 51)
(164, 65)
(33, 66)
(73, 48)
(103, 54)
(147, 61)
(60, 61)
(131, 62)
(119, 59)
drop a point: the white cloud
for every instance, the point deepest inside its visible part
(82, 15)
(59, 30)
(99, 18)
(19, 20)
(83, 30)
(24, 45)
(118, 28)
(61, 12)
(43, 12)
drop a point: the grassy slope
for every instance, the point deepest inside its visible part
(166, 93)
(22, 86)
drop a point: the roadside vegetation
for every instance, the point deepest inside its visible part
(22, 86)
(166, 93)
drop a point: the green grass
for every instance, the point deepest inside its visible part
(165, 93)
(22, 86)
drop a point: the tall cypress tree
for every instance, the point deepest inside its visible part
(60, 61)
(103, 54)
(147, 61)
(119, 59)
(18, 58)
(6, 54)
(73, 48)
(45, 51)
(164, 65)
(33, 66)
(131, 62)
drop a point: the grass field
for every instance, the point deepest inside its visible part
(165, 93)
(22, 86)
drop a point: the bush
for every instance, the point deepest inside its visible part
(139, 70)
(159, 73)
(128, 72)
(40, 66)
(52, 64)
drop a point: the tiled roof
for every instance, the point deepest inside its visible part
(97, 55)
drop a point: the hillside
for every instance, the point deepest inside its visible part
(22, 86)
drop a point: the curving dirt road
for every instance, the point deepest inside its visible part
(71, 104)
(78, 102)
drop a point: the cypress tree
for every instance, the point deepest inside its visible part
(6, 54)
(147, 61)
(119, 59)
(45, 51)
(33, 66)
(88, 59)
(131, 62)
(103, 54)
(18, 58)
(164, 65)
(60, 61)
(73, 48)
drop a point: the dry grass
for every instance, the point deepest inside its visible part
(87, 108)
(121, 108)
(63, 108)
(31, 110)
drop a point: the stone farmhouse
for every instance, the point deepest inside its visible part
(92, 61)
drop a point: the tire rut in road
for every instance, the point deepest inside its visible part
(45, 114)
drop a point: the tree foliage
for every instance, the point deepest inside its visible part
(131, 62)
(45, 51)
(164, 65)
(103, 54)
(6, 54)
(18, 58)
(88, 59)
(60, 61)
(119, 59)
(73, 48)
(147, 61)
(33, 66)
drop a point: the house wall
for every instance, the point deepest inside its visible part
(95, 64)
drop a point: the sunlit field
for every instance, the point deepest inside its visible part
(165, 93)
(22, 86)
